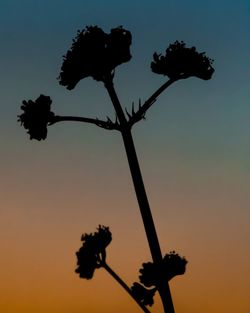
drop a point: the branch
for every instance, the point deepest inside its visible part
(140, 114)
(116, 102)
(124, 285)
(103, 124)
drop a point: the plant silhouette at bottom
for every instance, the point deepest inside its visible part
(97, 54)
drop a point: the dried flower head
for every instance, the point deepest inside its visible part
(174, 265)
(92, 254)
(142, 294)
(36, 116)
(95, 53)
(171, 265)
(182, 62)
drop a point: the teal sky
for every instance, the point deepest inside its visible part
(194, 149)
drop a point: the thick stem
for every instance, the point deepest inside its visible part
(149, 226)
(141, 195)
(124, 285)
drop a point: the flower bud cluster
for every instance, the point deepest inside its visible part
(92, 254)
(182, 62)
(96, 54)
(171, 265)
(36, 116)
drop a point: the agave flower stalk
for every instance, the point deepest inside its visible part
(96, 54)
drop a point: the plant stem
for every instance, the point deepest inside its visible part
(147, 104)
(141, 195)
(124, 285)
(103, 124)
(146, 214)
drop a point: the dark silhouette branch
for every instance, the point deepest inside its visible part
(116, 103)
(140, 114)
(124, 286)
(103, 124)
(147, 217)
(140, 191)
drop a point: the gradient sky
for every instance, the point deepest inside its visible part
(194, 150)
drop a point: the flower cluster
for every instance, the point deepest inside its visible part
(92, 254)
(95, 53)
(142, 294)
(36, 116)
(182, 62)
(172, 264)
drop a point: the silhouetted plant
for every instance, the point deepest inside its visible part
(170, 266)
(36, 116)
(183, 62)
(96, 54)
(144, 295)
(92, 254)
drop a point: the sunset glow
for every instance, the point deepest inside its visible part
(193, 147)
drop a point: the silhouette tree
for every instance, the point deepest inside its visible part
(96, 54)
